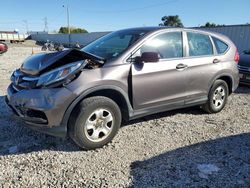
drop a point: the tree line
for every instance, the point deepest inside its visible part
(170, 21)
(72, 30)
(175, 21)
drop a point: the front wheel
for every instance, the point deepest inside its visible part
(95, 122)
(217, 97)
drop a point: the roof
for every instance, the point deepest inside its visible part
(236, 25)
(148, 28)
(155, 28)
(8, 32)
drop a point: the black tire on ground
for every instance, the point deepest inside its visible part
(210, 106)
(83, 113)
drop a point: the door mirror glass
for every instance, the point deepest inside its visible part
(149, 57)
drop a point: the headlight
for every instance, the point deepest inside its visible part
(59, 74)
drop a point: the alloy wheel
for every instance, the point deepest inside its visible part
(99, 125)
(219, 97)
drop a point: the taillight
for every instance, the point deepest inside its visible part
(236, 56)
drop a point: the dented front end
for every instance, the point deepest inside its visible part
(37, 93)
(41, 108)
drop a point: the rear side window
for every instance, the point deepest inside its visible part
(199, 44)
(221, 46)
(167, 45)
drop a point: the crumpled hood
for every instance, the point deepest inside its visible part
(42, 62)
(34, 64)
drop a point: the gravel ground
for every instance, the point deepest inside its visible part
(181, 148)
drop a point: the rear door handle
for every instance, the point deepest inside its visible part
(216, 61)
(181, 66)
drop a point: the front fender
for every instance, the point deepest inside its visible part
(84, 94)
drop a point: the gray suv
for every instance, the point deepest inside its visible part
(124, 75)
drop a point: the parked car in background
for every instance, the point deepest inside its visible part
(125, 75)
(244, 67)
(3, 48)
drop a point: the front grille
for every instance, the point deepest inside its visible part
(22, 81)
(36, 114)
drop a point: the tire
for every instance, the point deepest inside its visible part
(94, 122)
(44, 48)
(51, 48)
(60, 48)
(217, 97)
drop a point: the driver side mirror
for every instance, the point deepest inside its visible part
(148, 57)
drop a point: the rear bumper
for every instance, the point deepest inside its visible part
(244, 77)
(41, 109)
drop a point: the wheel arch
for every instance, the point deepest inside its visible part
(115, 93)
(228, 79)
(229, 82)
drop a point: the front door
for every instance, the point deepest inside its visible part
(160, 83)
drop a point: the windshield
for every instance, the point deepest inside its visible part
(113, 44)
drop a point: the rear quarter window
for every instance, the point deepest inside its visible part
(221, 46)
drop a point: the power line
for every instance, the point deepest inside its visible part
(10, 22)
(56, 17)
(133, 9)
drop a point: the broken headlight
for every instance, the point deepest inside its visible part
(60, 75)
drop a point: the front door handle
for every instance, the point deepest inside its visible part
(181, 66)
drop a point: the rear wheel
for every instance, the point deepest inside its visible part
(95, 122)
(217, 97)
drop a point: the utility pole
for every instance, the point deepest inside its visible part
(46, 28)
(26, 25)
(67, 8)
(68, 19)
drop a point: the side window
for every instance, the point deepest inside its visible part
(199, 44)
(221, 46)
(167, 45)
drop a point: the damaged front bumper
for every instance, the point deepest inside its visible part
(41, 109)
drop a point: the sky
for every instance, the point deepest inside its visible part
(110, 15)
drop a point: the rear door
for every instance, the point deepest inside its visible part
(202, 65)
(160, 83)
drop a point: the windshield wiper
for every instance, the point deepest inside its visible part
(94, 57)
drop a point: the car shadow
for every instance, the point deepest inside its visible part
(196, 110)
(24, 140)
(243, 89)
(225, 161)
(16, 138)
